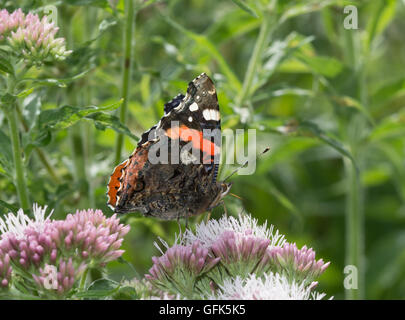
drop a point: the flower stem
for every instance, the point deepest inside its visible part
(40, 153)
(355, 254)
(126, 72)
(83, 279)
(354, 229)
(11, 114)
(255, 58)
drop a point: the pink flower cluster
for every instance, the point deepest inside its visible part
(84, 239)
(228, 249)
(9, 22)
(299, 264)
(31, 37)
(190, 259)
(61, 277)
(239, 253)
(5, 269)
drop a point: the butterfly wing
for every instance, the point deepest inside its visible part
(196, 120)
(175, 189)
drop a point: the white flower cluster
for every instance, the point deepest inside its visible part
(245, 225)
(271, 286)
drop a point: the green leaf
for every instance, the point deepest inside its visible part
(66, 116)
(306, 127)
(6, 155)
(206, 45)
(5, 65)
(327, 66)
(241, 4)
(96, 3)
(276, 53)
(8, 206)
(100, 288)
(25, 93)
(102, 28)
(104, 120)
(7, 99)
(282, 92)
(305, 7)
(353, 103)
(31, 108)
(55, 82)
(126, 293)
(382, 15)
(390, 127)
(143, 4)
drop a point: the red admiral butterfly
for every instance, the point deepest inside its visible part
(186, 184)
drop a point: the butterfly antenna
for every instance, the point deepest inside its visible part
(235, 195)
(245, 164)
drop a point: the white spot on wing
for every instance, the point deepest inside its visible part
(193, 107)
(207, 114)
(190, 119)
(211, 114)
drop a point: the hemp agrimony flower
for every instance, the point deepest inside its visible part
(239, 253)
(298, 264)
(245, 225)
(178, 269)
(53, 253)
(235, 258)
(271, 286)
(5, 269)
(31, 38)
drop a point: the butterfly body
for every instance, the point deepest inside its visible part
(172, 172)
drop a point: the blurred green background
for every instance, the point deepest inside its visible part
(328, 101)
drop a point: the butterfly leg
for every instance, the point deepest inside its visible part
(209, 215)
(186, 221)
(178, 223)
(225, 210)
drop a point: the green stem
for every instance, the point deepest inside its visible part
(354, 204)
(76, 141)
(88, 132)
(75, 132)
(47, 165)
(256, 58)
(21, 186)
(40, 153)
(126, 72)
(83, 279)
(354, 229)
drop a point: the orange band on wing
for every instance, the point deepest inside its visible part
(195, 136)
(114, 183)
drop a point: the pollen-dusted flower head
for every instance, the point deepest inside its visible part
(36, 246)
(271, 286)
(31, 38)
